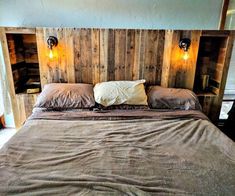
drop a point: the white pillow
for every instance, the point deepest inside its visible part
(120, 92)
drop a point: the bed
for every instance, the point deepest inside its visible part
(118, 152)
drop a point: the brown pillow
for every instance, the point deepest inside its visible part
(172, 98)
(66, 96)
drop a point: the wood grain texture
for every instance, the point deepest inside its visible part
(178, 72)
(119, 57)
(130, 54)
(69, 48)
(95, 50)
(20, 30)
(111, 55)
(62, 67)
(104, 44)
(43, 57)
(167, 58)
(25, 103)
(96, 55)
(30, 48)
(10, 82)
(215, 110)
(136, 54)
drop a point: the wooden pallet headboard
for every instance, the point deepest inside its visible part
(96, 55)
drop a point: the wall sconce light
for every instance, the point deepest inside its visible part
(51, 42)
(184, 44)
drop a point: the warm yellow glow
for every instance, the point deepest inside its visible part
(51, 55)
(185, 56)
(232, 11)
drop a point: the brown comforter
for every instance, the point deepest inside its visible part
(148, 153)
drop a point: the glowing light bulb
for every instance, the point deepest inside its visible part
(185, 56)
(51, 55)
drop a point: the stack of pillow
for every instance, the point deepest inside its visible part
(115, 95)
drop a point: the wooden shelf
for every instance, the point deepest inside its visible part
(205, 94)
(214, 51)
(25, 93)
(24, 61)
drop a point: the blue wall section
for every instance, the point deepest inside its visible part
(151, 14)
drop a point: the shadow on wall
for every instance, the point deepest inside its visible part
(140, 14)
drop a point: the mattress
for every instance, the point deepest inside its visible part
(119, 152)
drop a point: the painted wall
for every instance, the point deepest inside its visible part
(230, 83)
(152, 14)
(230, 18)
(230, 24)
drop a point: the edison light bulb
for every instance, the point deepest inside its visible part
(185, 56)
(51, 54)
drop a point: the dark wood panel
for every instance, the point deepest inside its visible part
(120, 52)
(95, 40)
(130, 54)
(111, 55)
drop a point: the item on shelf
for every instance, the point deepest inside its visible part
(204, 82)
(32, 82)
(2, 122)
(33, 90)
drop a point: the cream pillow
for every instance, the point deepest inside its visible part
(120, 92)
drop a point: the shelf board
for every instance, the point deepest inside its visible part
(20, 30)
(205, 94)
(25, 93)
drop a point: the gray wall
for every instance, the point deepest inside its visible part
(152, 14)
(230, 24)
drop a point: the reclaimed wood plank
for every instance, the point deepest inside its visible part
(10, 83)
(175, 69)
(104, 55)
(120, 54)
(160, 51)
(42, 56)
(70, 56)
(192, 61)
(136, 63)
(143, 37)
(129, 59)
(77, 55)
(111, 55)
(95, 44)
(85, 59)
(167, 58)
(61, 63)
(149, 56)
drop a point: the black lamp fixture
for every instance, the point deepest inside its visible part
(51, 42)
(184, 44)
